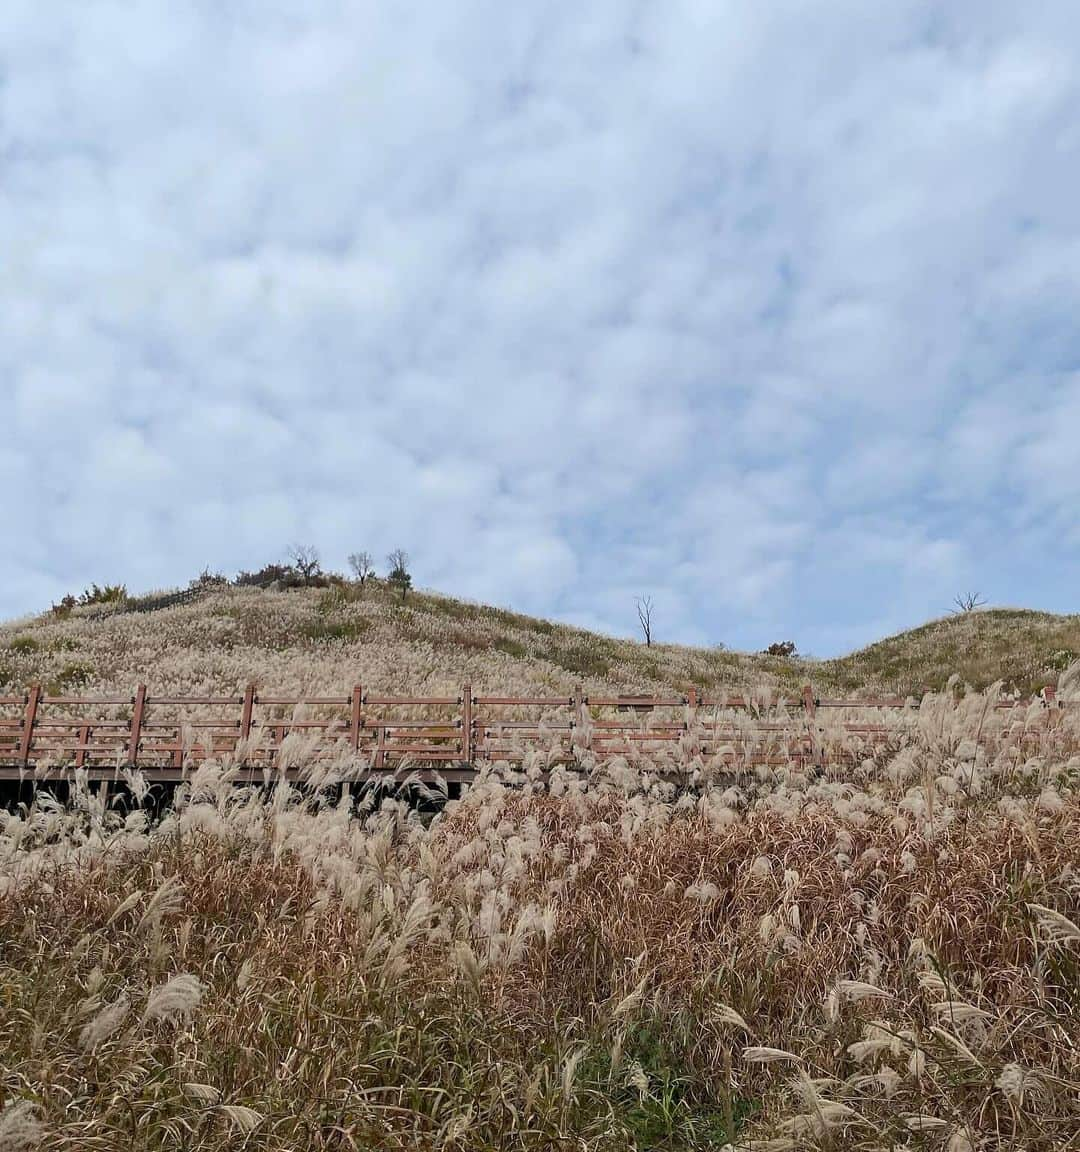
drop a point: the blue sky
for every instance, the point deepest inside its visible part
(768, 310)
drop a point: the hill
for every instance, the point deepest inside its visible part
(314, 640)
(601, 958)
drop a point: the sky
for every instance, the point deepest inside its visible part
(766, 310)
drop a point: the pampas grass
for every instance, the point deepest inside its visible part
(885, 956)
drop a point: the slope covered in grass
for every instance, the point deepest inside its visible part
(604, 958)
(309, 640)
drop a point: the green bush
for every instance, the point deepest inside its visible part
(24, 645)
(785, 648)
(109, 594)
(280, 576)
(74, 675)
(208, 579)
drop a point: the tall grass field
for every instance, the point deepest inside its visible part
(884, 954)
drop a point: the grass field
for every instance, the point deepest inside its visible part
(317, 640)
(882, 957)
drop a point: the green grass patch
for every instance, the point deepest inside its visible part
(511, 647)
(661, 1104)
(77, 674)
(346, 630)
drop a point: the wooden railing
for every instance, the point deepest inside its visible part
(166, 736)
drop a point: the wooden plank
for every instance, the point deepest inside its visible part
(356, 720)
(434, 701)
(84, 701)
(29, 716)
(246, 710)
(870, 702)
(447, 726)
(644, 703)
(84, 740)
(293, 701)
(467, 724)
(197, 701)
(136, 724)
(524, 725)
(523, 701)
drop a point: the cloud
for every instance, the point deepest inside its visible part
(766, 310)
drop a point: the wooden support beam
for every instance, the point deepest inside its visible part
(467, 724)
(356, 722)
(84, 739)
(246, 711)
(136, 724)
(29, 717)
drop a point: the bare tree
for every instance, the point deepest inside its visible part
(305, 559)
(398, 561)
(644, 615)
(363, 569)
(969, 602)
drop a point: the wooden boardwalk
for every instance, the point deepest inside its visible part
(167, 737)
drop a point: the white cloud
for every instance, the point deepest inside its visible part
(766, 309)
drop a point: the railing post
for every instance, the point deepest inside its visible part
(809, 707)
(356, 720)
(136, 725)
(246, 710)
(466, 724)
(80, 752)
(577, 703)
(246, 713)
(380, 750)
(29, 717)
(1053, 715)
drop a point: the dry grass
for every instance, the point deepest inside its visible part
(320, 641)
(601, 960)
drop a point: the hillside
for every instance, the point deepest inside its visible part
(318, 640)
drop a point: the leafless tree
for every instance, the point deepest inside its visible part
(398, 561)
(644, 615)
(969, 602)
(305, 559)
(362, 567)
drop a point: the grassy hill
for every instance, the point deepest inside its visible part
(602, 960)
(316, 640)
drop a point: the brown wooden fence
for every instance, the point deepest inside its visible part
(167, 736)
